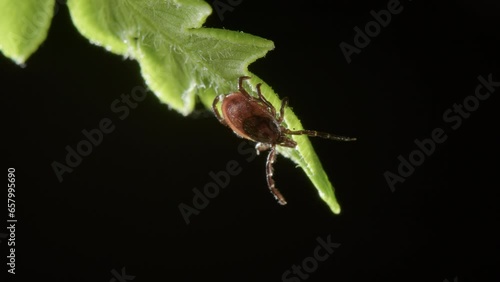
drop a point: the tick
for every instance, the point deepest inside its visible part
(255, 119)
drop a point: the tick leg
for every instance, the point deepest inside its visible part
(216, 111)
(261, 147)
(284, 103)
(265, 101)
(240, 86)
(313, 133)
(269, 173)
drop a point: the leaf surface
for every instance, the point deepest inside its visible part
(180, 60)
(23, 27)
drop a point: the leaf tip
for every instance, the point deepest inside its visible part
(331, 202)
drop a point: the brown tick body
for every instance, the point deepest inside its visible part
(255, 119)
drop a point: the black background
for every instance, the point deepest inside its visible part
(119, 208)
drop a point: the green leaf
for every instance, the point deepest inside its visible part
(23, 27)
(180, 60)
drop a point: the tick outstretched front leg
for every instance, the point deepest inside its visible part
(325, 135)
(269, 173)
